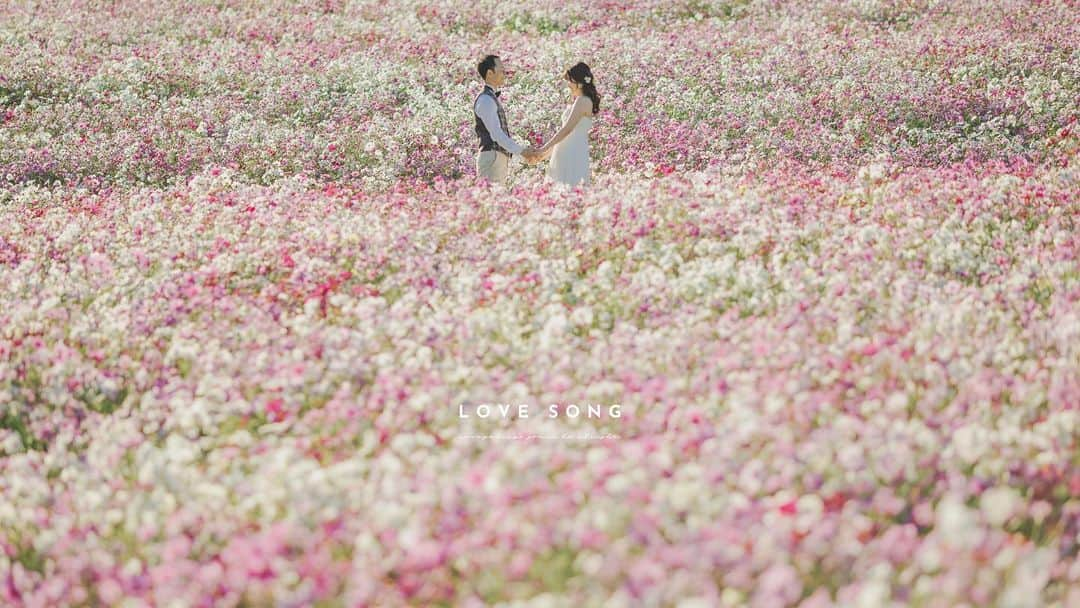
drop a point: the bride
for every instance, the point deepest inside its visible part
(569, 148)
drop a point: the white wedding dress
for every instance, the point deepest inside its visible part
(570, 157)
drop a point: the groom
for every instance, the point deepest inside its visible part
(496, 145)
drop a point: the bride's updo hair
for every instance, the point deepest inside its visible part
(582, 75)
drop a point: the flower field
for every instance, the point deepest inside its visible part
(828, 268)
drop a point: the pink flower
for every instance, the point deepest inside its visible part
(275, 409)
(779, 585)
(426, 555)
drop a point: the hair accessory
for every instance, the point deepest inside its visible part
(588, 79)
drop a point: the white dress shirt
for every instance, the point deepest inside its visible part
(489, 115)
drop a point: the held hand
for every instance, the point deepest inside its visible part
(531, 155)
(540, 154)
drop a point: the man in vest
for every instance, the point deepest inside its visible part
(496, 145)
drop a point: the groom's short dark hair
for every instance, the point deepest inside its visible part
(487, 63)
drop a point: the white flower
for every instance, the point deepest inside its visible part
(11, 443)
(969, 444)
(1028, 579)
(998, 504)
(683, 495)
(956, 523)
(809, 508)
(874, 593)
(583, 315)
(731, 597)
(554, 328)
(929, 556)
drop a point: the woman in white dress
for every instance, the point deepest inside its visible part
(569, 148)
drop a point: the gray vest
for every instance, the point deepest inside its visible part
(486, 142)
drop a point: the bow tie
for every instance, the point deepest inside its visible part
(495, 93)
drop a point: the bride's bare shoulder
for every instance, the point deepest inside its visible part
(582, 106)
